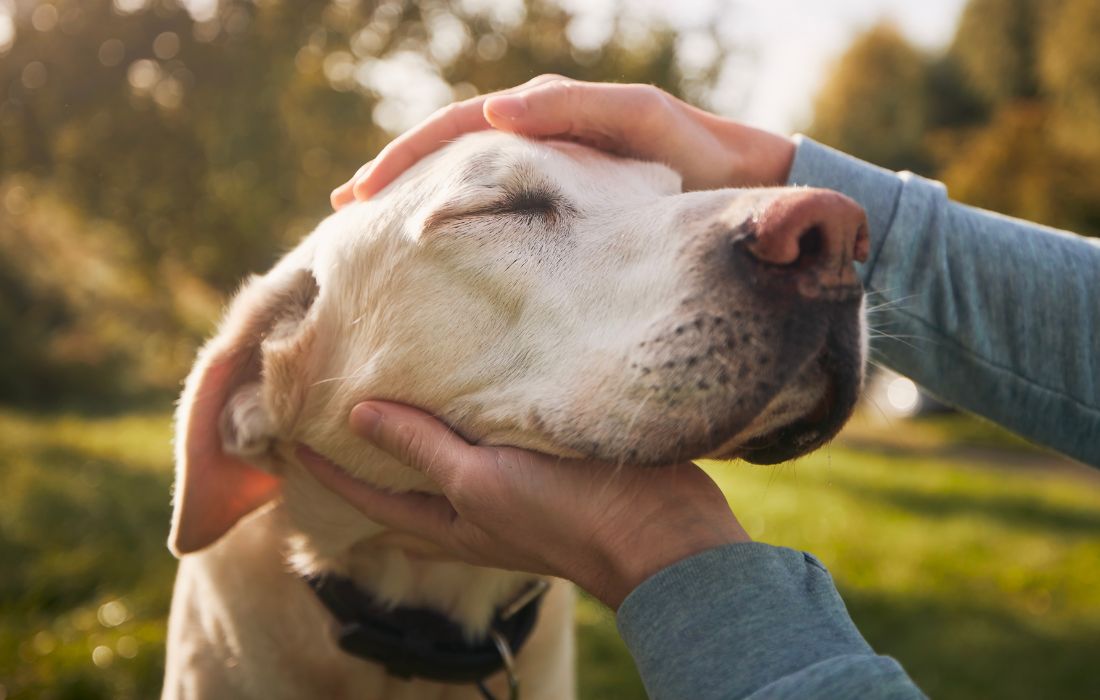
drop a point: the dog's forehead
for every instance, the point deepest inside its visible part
(484, 157)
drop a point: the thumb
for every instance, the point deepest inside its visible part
(415, 439)
(421, 514)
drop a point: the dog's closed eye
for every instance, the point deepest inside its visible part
(536, 201)
(542, 203)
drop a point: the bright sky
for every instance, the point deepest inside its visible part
(791, 44)
(796, 40)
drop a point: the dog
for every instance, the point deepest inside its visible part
(537, 294)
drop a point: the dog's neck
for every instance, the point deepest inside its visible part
(395, 568)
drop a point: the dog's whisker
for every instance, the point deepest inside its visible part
(885, 416)
(891, 304)
(878, 334)
(905, 342)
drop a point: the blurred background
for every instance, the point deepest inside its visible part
(154, 151)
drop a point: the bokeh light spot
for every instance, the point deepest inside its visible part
(44, 643)
(127, 7)
(127, 647)
(44, 17)
(15, 200)
(491, 47)
(102, 656)
(111, 52)
(34, 75)
(7, 32)
(903, 396)
(112, 613)
(143, 75)
(166, 45)
(339, 69)
(168, 93)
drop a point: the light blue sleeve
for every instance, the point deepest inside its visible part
(752, 621)
(994, 315)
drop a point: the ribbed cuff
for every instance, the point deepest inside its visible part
(731, 620)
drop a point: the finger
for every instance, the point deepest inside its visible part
(573, 108)
(417, 440)
(404, 151)
(421, 514)
(344, 194)
(445, 124)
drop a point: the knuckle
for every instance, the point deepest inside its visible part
(455, 487)
(448, 112)
(650, 96)
(467, 485)
(546, 78)
(569, 93)
(569, 86)
(408, 444)
(654, 107)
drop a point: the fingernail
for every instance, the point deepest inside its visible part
(365, 420)
(509, 106)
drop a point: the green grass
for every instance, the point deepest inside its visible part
(972, 559)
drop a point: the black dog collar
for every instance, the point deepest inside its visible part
(422, 643)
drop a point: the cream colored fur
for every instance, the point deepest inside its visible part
(532, 294)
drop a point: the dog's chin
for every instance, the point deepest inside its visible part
(797, 438)
(798, 419)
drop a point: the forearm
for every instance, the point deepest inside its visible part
(992, 314)
(751, 621)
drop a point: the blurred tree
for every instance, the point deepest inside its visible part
(875, 102)
(996, 45)
(1070, 71)
(1008, 116)
(203, 141)
(1014, 165)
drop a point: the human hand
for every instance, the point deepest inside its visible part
(638, 121)
(603, 526)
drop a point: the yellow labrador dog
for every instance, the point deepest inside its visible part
(536, 294)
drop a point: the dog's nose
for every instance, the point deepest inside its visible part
(815, 233)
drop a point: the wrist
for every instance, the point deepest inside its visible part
(758, 158)
(651, 549)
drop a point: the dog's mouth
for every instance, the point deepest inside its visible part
(807, 410)
(713, 389)
(815, 427)
(799, 436)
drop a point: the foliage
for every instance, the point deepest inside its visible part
(876, 103)
(996, 47)
(982, 575)
(1008, 116)
(174, 153)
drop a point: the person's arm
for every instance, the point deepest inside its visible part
(752, 621)
(995, 315)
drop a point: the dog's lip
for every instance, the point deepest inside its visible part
(785, 442)
(757, 449)
(805, 433)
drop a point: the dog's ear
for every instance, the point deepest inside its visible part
(246, 384)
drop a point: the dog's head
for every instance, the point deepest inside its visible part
(543, 295)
